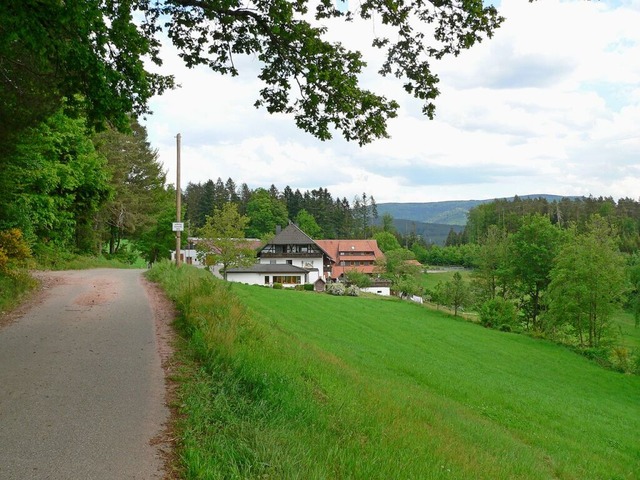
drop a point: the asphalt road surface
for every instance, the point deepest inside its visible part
(82, 392)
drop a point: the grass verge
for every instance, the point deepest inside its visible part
(282, 384)
(14, 287)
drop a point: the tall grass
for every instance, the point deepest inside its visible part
(286, 384)
(14, 286)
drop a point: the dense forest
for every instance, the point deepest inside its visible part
(316, 211)
(67, 188)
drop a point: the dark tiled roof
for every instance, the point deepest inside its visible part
(291, 235)
(269, 268)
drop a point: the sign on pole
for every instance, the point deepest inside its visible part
(178, 226)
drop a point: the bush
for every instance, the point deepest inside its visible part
(335, 289)
(352, 291)
(125, 255)
(622, 359)
(14, 250)
(498, 312)
(49, 256)
(308, 287)
(354, 277)
(277, 286)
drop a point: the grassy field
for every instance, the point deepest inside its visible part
(430, 280)
(629, 334)
(290, 384)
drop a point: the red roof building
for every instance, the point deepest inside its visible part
(360, 255)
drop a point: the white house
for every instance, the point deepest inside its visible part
(290, 258)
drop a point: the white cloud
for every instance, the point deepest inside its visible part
(551, 104)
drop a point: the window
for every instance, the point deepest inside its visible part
(266, 279)
(287, 279)
(289, 262)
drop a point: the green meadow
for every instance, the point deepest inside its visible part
(286, 384)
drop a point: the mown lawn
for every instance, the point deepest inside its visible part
(447, 396)
(280, 384)
(431, 279)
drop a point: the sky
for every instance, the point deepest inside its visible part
(549, 105)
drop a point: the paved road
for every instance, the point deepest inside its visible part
(81, 385)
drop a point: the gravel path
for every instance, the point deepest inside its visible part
(82, 389)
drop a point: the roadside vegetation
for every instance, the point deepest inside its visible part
(292, 384)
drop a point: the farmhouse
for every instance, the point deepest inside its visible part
(290, 258)
(293, 258)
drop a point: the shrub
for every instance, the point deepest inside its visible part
(308, 287)
(277, 286)
(352, 291)
(360, 279)
(622, 359)
(13, 249)
(498, 311)
(335, 289)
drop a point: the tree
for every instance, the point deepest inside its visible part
(157, 241)
(533, 249)
(634, 291)
(587, 283)
(492, 275)
(387, 223)
(290, 42)
(97, 49)
(498, 312)
(137, 181)
(360, 279)
(387, 241)
(265, 214)
(308, 224)
(456, 293)
(53, 185)
(398, 267)
(89, 54)
(222, 239)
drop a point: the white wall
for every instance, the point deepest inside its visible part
(249, 278)
(186, 255)
(313, 262)
(258, 278)
(384, 291)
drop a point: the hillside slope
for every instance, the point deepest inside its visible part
(427, 396)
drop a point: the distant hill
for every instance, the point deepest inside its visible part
(435, 233)
(446, 214)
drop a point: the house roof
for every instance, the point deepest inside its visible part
(270, 268)
(291, 235)
(253, 243)
(353, 250)
(413, 262)
(334, 247)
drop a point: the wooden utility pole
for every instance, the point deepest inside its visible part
(178, 201)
